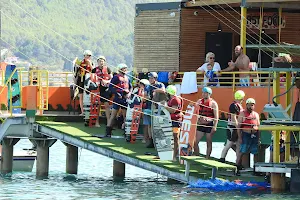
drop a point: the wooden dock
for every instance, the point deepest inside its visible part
(78, 135)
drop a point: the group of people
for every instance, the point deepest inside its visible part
(242, 123)
(212, 69)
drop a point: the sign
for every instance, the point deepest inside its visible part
(269, 21)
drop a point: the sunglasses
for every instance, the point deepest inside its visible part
(89, 55)
(211, 58)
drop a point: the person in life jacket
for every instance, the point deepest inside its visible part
(207, 120)
(154, 90)
(248, 134)
(104, 76)
(234, 110)
(84, 67)
(121, 88)
(175, 105)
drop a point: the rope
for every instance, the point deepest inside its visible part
(110, 83)
(256, 26)
(94, 56)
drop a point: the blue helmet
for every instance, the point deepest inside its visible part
(207, 90)
(152, 75)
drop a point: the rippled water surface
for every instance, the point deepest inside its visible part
(94, 181)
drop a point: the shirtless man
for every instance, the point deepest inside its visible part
(242, 63)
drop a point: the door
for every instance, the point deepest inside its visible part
(220, 43)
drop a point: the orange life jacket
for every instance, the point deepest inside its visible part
(205, 108)
(249, 120)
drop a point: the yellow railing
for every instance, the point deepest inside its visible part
(8, 83)
(229, 79)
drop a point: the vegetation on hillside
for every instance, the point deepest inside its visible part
(103, 26)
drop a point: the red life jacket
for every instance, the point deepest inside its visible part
(176, 115)
(205, 108)
(229, 114)
(123, 83)
(249, 120)
(85, 67)
(103, 74)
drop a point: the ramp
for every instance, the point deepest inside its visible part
(13, 126)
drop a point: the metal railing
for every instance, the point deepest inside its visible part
(225, 79)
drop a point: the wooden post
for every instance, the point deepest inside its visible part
(277, 180)
(118, 169)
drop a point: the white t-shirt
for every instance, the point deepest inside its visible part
(203, 68)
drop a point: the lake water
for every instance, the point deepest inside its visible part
(94, 181)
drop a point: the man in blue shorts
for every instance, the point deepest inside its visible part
(155, 89)
(248, 134)
(121, 88)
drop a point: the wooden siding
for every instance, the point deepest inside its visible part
(156, 40)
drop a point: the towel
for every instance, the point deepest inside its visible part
(178, 89)
(189, 83)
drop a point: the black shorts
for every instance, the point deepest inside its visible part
(80, 84)
(206, 128)
(104, 95)
(232, 133)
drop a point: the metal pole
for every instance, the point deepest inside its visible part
(243, 31)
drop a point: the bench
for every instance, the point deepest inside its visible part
(214, 165)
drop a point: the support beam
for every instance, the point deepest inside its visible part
(42, 161)
(243, 36)
(216, 2)
(287, 152)
(71, 159)
(288, 81)
(276, 86)
(118, 169)
(7, 154)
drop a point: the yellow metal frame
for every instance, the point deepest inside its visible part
(43, 87)
(8, 82)
(276, 129)
(243, 36)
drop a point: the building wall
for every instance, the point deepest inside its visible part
(156, 40)
(193, 33)
(194, 28)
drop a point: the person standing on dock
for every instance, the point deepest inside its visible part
(208, 120)
(155, 89)
(248, 134)
(85, 66)
(175, 105)
(104, 77)
(242, 64)
(234, 110)
(121, 88)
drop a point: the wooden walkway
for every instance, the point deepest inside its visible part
(118, 149)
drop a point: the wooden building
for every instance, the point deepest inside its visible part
(176, 36)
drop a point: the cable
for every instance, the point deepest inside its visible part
(88, 71)
(94, 56)
(254, 26)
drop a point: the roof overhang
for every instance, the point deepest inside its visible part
(293, 4)
(281, 48)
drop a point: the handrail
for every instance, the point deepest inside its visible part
(64, 79)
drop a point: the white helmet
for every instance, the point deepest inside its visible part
(101, 58)
(145, 82)
(250, 100)
(121, 66)
(87, 52)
